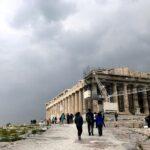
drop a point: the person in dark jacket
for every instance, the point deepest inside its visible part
(90, 121)
(68, 118)
(100, 123)
(116, 116)
(71, 118)
(55, 120)
(79, 123)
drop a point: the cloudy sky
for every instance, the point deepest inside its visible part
(46, 45)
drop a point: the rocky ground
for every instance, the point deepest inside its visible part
(64, 137)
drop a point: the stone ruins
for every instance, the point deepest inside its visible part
(128, 91)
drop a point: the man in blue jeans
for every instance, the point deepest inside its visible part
(90, 121)
(100, 123)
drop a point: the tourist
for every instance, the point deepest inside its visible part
(116, 116)
(71, 118)
(55, 120)
(62, 118)
(68, 118)
(100, 123)
(79, 123)
(90, 121)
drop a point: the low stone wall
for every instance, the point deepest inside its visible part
(128, 124)
(125, 121)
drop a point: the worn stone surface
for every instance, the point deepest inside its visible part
(64, 137)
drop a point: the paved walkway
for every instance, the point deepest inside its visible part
(64, 137)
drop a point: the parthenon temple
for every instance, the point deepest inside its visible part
(129, 90)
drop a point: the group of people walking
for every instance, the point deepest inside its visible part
(91, 119)
(63, 118)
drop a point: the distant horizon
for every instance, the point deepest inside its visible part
(3, 123)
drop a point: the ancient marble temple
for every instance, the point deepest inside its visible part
(130, 90)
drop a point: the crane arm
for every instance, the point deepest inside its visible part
(101, 87)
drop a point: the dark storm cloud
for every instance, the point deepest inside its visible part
(118, 37)
(52, 42)
(32, 11)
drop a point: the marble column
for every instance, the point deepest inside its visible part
(125, 97)
(69, 104)
(84, 102)
(73, 103)
(94, 96)
(58, 108)
(50, 113)
(54, 110)
(115, 95)
(135, 98)
(51, 110)
(145, 98)
(80, 101)
(76, 102)
(63, 105)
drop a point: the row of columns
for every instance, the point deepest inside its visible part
(75, 102)
(71, 104)
(135, 97)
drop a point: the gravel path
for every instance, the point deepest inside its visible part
(64, 137)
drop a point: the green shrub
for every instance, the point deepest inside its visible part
(10, 138)
(34, 131)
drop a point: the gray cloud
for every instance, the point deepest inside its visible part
(36, 11)
(51, 43)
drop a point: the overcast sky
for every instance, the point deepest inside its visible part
(46, 45)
